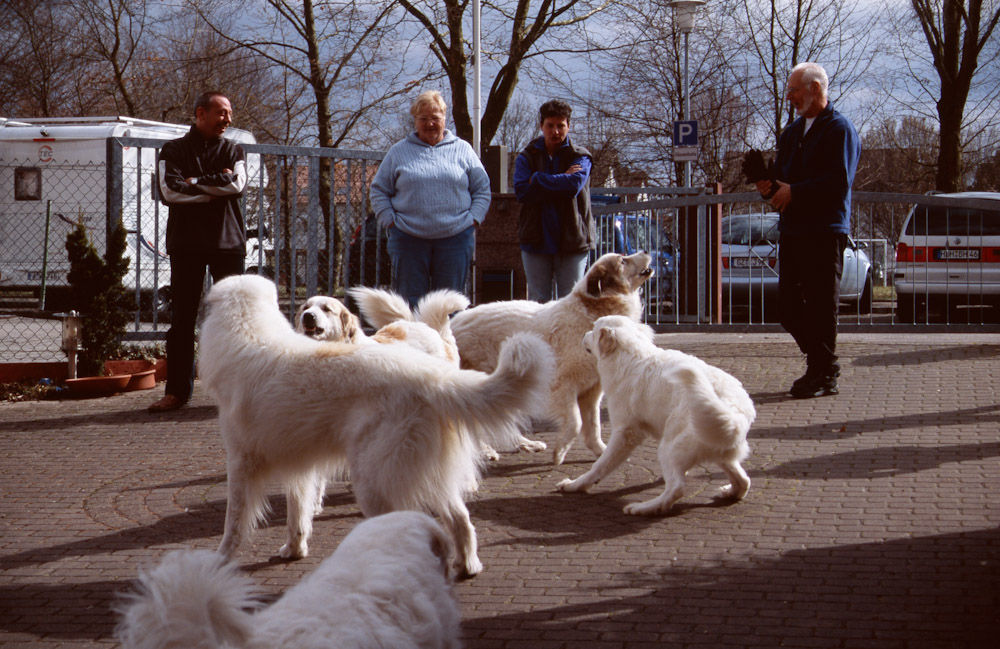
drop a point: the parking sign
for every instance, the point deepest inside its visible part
(686, 133)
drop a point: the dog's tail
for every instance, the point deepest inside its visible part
(721, 424)
(435, 308)
(190, 596)
(380, 307)
(494, 407)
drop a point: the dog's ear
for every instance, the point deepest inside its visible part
(594, 280)
(607, 341)
(350, 325)
(298, 317)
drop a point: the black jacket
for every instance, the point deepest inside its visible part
(204, 216)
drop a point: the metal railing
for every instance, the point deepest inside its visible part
(312, 231)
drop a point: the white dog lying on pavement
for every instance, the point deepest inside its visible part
(406, 425)
(385, 586)
(697, 412)
(610, 287)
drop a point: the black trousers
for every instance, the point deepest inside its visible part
(187, 278)
(810, 268)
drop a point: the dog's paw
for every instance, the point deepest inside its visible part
(559, 454)
(729, 492)
(469, 569)
(490, 454)
(569, 486)
(654, 507)
(531, 445)
(294, 551)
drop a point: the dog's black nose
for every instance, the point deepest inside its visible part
(308, 320)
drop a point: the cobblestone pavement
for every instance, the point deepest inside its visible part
(870, 523)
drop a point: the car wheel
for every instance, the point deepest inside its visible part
(906, 308)
(865, 303)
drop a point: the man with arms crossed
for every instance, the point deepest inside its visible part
(201, 177)
(556, 228)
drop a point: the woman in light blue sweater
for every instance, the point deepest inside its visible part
(430, 192)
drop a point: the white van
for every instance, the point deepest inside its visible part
(948, 257)
(53, 175)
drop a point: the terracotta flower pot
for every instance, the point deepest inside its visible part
(98, 386)
(142, 381)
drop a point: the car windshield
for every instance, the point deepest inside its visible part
(749, 230)
(645, 234)
(943, 221)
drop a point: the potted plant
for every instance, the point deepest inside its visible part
(98, 294)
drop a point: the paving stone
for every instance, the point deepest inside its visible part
(870, 522)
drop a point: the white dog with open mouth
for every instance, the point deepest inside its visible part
(385, 586)
(699, 413)
(610, 287)
(406, 425)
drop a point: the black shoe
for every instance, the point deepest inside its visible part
(814, 385)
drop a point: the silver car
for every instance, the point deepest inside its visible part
(750, 267)
(948, 257)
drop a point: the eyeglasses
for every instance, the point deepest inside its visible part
(430, 119)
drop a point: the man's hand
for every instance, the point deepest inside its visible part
(573, 169)
(782, 197)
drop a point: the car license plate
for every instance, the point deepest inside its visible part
(958, 254)
(750, 262)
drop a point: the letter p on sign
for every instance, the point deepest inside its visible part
(686, 133)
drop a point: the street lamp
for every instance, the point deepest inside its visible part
(684, 13)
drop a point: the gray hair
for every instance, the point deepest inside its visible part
(814, 72)
(428, 98)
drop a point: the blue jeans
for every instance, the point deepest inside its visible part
(542, 270)
(420, 266)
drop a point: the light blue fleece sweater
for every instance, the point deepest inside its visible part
(431, 192)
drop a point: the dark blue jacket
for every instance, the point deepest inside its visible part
(555, 213)
(820, 168)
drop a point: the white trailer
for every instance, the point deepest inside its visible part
(53, 174)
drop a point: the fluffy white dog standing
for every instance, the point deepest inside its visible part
(385, 586)
(698, 413)
(610, 287)
(406, 425)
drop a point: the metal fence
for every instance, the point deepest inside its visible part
(723, 251)
(310, 228)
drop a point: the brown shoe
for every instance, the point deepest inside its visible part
(167, 403)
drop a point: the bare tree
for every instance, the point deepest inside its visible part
(342, 50)
(513, 34)
(776, 35)
(638, 74)
(111, 33)
(42, 71)
(958, 34)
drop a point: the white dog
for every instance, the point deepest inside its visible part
(406, 425)
(697, 412)
(429, 330)
(384, 586)
(610, 287)
(390, 314)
